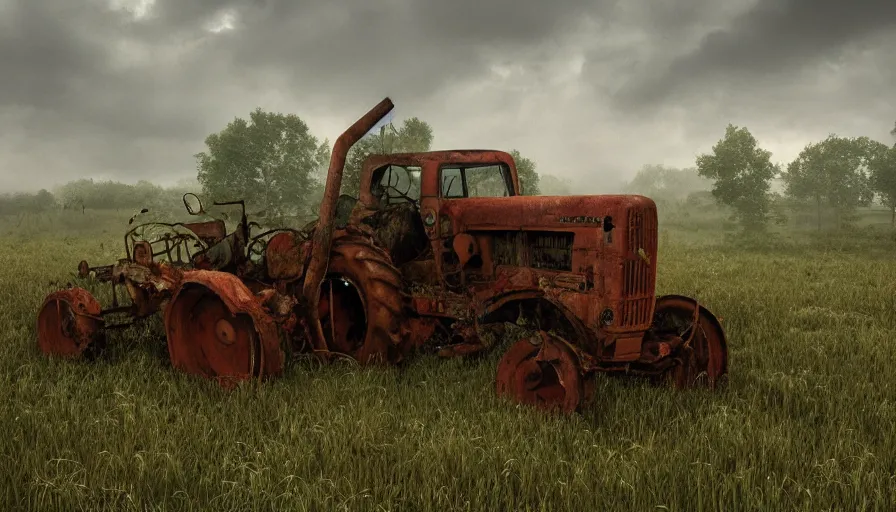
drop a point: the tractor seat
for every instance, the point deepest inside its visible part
(209, 231)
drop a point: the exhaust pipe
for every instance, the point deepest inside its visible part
(323, 235)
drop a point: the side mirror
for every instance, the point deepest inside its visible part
(193, 204)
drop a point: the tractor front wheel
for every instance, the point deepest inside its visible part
(702, 360)
(69, 324)
(544, 372)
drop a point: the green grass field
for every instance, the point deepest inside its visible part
(806, 422)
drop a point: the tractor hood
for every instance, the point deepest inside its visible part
(539, 212)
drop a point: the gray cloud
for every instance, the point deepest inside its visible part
(763, 43)
(591, 90)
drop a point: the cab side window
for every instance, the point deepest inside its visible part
(452, 183)
(491, 180)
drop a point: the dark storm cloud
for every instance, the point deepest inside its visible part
(772, 38)
(115, 84)
(88, 88)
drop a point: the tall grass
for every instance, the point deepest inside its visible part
(806, 422)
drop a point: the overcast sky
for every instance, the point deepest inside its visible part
(591, 90)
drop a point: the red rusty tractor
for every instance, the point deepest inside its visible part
(439, 246)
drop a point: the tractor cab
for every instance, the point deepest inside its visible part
(403, 197)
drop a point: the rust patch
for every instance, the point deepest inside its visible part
(285, 256)
(211, 231)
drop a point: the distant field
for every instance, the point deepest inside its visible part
(806, 423)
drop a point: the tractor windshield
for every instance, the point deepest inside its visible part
(475, 181)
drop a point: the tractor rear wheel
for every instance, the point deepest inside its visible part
(217, 329)
(69, 324)
(361, 306)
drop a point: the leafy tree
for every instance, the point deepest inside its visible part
(415, 135)
(882, 173)
(831, 173)
(742, 173)
(270, 161)
(528, 175)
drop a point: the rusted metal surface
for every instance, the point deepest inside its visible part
(285, 256)
(210, 231)
(69, 323)
(218, 329)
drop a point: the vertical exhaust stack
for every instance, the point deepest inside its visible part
(323, 235)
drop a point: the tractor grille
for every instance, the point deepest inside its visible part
(638, 277)
(536, 249)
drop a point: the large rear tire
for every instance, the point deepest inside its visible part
(361, 306)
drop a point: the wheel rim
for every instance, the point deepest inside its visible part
(546, 375)
(69, 323)
(703, 363)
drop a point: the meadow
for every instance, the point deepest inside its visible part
(805, 423)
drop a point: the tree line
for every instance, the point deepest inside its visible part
(831, 177)
(274, 162)
(88, 194)
(271, 160)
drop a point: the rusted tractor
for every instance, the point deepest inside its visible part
(440, 251)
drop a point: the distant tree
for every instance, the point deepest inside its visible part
(23, 203)
(527, 173)
(832, 174)
(663, 183)
(414, 136)
(551, 185)
(270, 161)
(882, 173)
(741, 172)
(893, 131)
(44, 200)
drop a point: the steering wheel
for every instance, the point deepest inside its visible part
(404, 195)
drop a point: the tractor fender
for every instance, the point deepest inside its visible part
(701, 313)
(506, 305)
